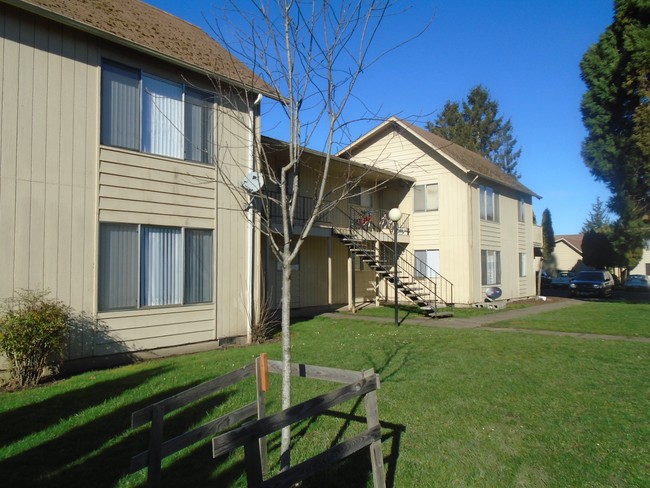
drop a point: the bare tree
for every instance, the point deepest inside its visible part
(311, 54)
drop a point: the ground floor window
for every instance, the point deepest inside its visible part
(148, 266)
(427, 263)
(490, 267)
(522, 264)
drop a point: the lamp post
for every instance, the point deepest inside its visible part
(395, 214)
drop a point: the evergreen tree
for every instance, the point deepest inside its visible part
(616, 112)
(477, 126)
(548, 234)
(598, 251)
(598, 219)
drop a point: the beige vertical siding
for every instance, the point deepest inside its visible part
(48, 150)
(56, 184)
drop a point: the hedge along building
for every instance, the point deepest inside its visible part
(120, 125)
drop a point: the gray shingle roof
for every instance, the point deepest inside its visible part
(469, 161)
(145, 27)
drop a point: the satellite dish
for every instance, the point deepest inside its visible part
(493, 293)
(253, 182)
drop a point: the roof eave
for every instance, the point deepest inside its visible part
(502, 183)
(342, 160)
(82, 26)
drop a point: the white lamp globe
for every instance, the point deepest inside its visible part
(395, 214)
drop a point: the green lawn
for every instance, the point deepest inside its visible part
(459, 408)
(613, 318)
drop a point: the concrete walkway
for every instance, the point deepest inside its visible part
(484, 321)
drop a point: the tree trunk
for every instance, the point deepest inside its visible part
(285, 456)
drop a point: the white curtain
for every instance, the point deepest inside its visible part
(162, 117)
(161, 266)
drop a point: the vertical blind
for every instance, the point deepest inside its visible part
(198, 266)
(161, 266)
(150, 114)
(118, 266)
(120, 118)
(162, 117)
(153, 266)
(198, 126)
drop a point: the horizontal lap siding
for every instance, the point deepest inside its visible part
(152, 328)
(155, 190)
(445, 229)
(48, 150)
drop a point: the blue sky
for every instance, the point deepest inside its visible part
(526, 53)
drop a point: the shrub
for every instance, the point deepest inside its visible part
(32, 334)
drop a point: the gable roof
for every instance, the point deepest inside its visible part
(574, 241)
(280, 149)
(148, 29)
(468, 161)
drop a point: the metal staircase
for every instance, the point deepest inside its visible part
(417, 282)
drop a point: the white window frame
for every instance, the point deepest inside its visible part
(490, 267)
(489, 199)
(427, 263)
(426, 197)
(521, 207)
(523, 265)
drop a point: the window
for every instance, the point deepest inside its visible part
(425, 197)
(489, 204)
(490, 267)
(522, 210)
(145, 266)
(427, 263)
(522, 264)
(149, 114)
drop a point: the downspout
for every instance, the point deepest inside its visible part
(251, 219)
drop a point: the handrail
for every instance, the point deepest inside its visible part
(426, 277)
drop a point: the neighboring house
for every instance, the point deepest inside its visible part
(119, 123)
(644, 265)
(470, 223)
(567, 254)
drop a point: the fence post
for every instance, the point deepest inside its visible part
(155, 445)
(372, 419)
(262, 374)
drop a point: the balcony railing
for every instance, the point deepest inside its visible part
(344, 215)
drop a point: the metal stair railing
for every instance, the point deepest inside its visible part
(426, 287)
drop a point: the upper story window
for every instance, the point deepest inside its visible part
(489, 204)
(425, 197)
(150, 114)
(521, 210)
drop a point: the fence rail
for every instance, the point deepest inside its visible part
(251, 434)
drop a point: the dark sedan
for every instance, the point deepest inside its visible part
(592, 283)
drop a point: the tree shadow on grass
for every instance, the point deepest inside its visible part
(34, 417)
(98, 453)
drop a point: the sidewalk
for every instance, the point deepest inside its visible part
(483, 321)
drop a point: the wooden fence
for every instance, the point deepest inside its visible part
(251, 434)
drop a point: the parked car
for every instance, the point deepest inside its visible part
(562, 279)
(638, 282)
(592, 283)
